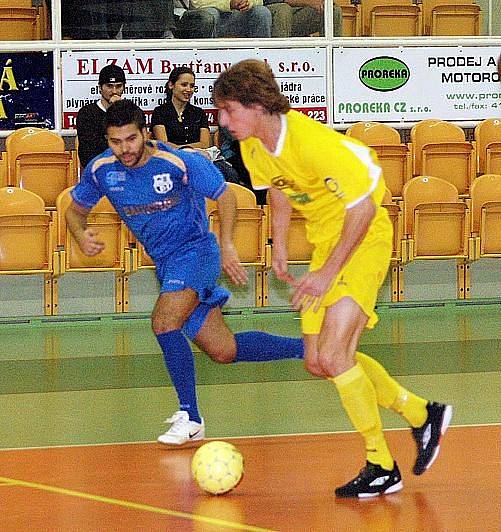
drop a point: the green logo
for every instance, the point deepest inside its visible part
(384, 74)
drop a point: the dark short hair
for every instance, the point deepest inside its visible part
(122, 113)
(111, 74)
(176, 74)
(251, 82)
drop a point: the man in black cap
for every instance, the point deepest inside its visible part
(91, 137)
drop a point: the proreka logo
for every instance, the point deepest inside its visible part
(384, 73)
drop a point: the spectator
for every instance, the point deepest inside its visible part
(104, 19)
(237, 18)
(91, 137)
(230, 150)
(178, 123)
(192, 23)
(147, 19)
(87, 20)
(296, 18)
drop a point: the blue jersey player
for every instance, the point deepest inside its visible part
(160, 194)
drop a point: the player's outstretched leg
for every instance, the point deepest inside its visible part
(428, 420)
(428, 436)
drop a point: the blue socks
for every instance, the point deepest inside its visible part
(258, 346)
(178, 358)
(252, 346)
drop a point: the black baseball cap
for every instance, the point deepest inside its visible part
(111, 74)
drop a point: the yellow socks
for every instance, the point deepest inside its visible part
(359, 400)
(391, 395)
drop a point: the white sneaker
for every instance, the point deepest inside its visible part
(182, 430)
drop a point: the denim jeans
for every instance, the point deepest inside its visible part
(256, 22)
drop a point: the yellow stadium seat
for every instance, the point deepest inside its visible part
(391, 18)
(451, 17)
(488, 139)
(111, 229)
(27, 238)
(250, 234)
(30, 140)
(395, 214)
(393, 155)
(20, 24)
(486, 215)
(440, 149)
(116, 257)
(436, 222)
(351, 18)
(46, 174)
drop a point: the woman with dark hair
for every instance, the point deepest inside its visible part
(177, 122)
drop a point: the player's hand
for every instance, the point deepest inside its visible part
(115, 98)
(231, 265)
(89, 242)
(310, 289)
(280, 268)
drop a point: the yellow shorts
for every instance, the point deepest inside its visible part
(359, 280)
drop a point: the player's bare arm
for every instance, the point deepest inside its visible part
(227, 207)
(86, 237)
(313, 285)
(280, 219)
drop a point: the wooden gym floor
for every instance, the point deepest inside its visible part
(82, 401)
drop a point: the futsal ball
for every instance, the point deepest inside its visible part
(217, 467)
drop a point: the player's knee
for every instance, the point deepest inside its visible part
(164, 324)
(223, 355)
(335, 363)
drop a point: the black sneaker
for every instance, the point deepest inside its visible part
(372, 481)
(428, 436)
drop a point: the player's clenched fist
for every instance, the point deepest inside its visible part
(89, 242)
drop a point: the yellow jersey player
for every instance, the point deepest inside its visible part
(337, 184)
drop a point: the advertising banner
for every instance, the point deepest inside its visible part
(300, 72)
(26, 90)
(412, 84)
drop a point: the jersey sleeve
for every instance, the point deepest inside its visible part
(87, 191)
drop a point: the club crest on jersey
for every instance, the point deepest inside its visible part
(162, 183)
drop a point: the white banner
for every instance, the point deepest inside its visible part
(412, 84)
(300, 72)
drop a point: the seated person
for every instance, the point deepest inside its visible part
(180, 124)
(237, 18)
(104, 19)
(296, 18)
(192, 23)
(230, 150)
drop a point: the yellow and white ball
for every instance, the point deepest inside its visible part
(217, 467)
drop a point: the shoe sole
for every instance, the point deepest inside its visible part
(446, 419)
(392, 489)
(194, 442)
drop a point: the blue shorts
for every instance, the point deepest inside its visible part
(198, 269)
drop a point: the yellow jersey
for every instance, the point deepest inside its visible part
(322, 172)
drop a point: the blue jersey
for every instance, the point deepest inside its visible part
(162, 202)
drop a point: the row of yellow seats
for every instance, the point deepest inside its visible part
(408, 18)
(430, 222)
(35, 159)
(34, 240)
(433, 222)
(437, 148)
